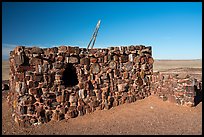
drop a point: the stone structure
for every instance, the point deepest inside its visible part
(65, 82)
(181, 89)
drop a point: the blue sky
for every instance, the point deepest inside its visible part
(173, 29)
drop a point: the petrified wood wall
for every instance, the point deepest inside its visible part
(65, 82)
(181, 89)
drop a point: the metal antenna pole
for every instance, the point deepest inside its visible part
(94, 35)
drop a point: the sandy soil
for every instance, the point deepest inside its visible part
(144, 117)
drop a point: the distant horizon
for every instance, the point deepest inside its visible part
(173, 29)
(7, 58)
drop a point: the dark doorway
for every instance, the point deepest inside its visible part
(69, 76)
(198, 97)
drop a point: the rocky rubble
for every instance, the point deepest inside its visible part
(65, 82)
(181, 89)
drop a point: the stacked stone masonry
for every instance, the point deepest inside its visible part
(65, 82)
(181, 89)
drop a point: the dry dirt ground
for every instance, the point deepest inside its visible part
(150, 116)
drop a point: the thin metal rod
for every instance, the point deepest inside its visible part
(94, 39)
(91, 40)
(94, 35)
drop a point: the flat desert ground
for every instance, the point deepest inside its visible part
(150, 116)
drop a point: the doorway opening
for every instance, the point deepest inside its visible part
(70, 76)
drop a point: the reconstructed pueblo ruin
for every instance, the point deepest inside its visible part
(65, 82)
